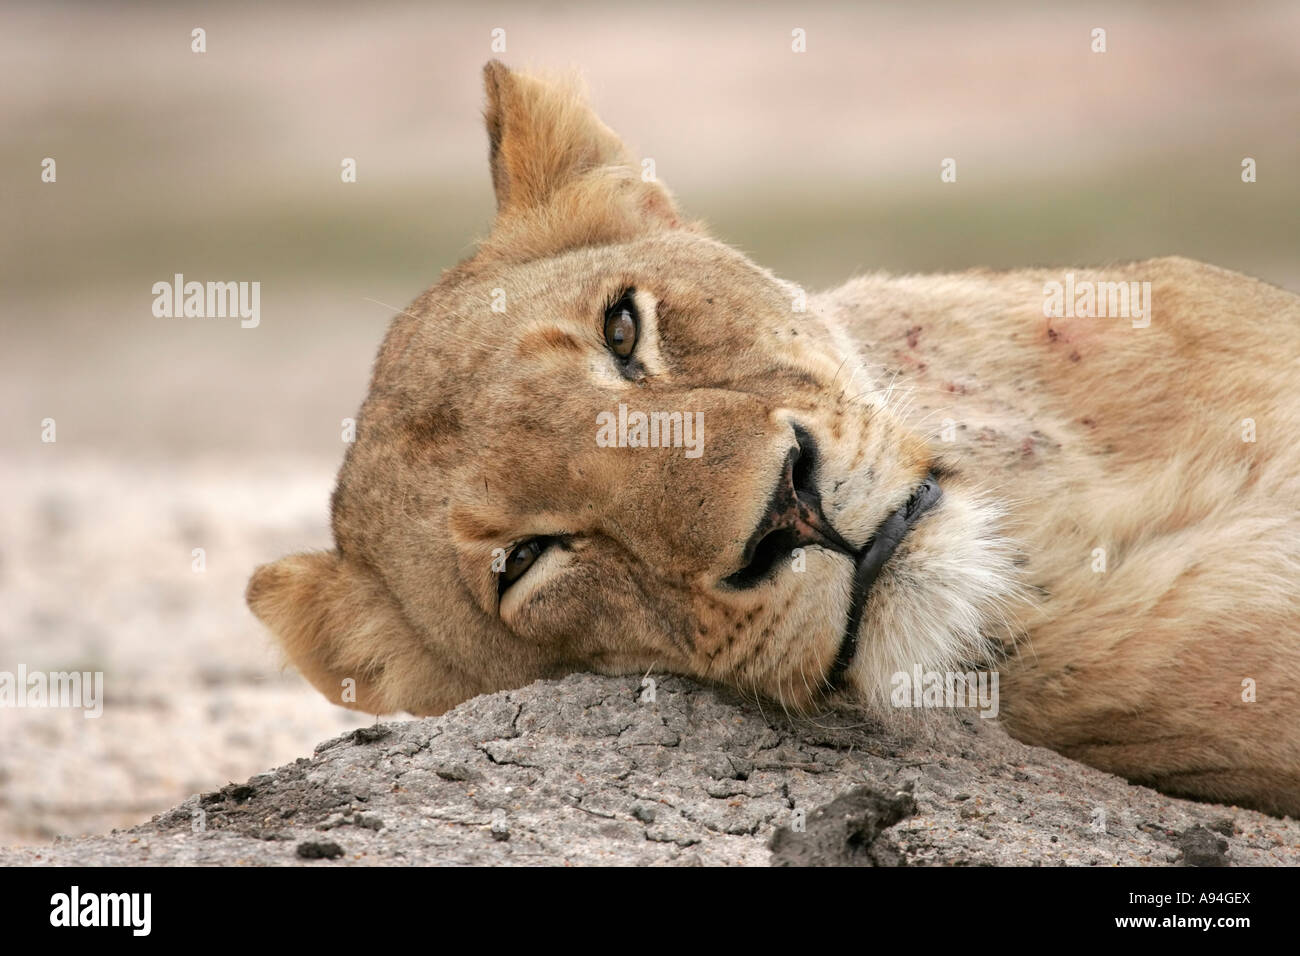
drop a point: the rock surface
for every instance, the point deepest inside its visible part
(591, 770)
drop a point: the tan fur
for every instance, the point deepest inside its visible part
(1071, 435)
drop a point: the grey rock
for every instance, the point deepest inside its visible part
(583, 771)
(319, 850)
(846, 832)
(1201, 847)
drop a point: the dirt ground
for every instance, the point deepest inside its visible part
(98, 576)
(177, 434)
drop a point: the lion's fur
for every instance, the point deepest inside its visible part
(1100, 435)
(1070, 435)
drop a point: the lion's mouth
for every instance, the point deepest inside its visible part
(793, 518)
(871, 559)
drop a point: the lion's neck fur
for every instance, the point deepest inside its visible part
(1150, 474)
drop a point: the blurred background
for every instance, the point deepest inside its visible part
(183, 433)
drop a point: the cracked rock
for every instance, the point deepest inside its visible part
(585, 771)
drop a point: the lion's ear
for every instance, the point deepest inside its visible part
(560, 174)
(341, 628)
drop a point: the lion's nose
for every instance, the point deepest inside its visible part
(793, 518)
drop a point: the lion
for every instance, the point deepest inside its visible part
(608, 441)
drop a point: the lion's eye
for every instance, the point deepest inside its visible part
(622, 325)
(520, 559)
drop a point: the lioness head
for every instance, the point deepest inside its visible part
(609, 442)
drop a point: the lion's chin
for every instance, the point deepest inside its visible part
(941, 603)
(871, 562)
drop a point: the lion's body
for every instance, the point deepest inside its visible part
(1173, 448)
(821, 427)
